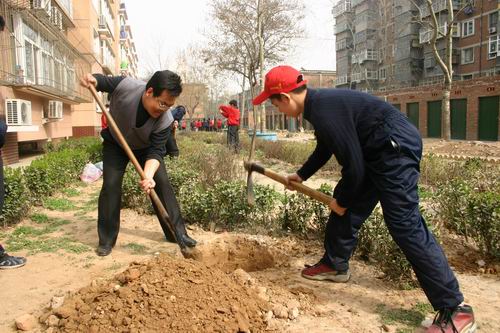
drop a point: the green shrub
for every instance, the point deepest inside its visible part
(133, 196)
(304, 215)
(17, 198)
(54, 171)
(469, 204)
(91, 145)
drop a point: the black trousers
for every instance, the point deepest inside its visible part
(233, 137)
(392, 172)
(171, 146)
(115, 162)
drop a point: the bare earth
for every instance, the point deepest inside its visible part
(146, 286)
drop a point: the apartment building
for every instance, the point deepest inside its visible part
(383, 48)
(128, 53)
(38, 71)
(97, 34)
(46, 47)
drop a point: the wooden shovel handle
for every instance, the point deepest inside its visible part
(315, 194)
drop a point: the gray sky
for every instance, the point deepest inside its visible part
(173, 25)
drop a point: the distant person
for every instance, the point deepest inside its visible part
(6, 261)
(232, 114)
(172, 149)
(380, 152)
(219, 125)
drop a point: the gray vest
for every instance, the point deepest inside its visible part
(123, 106)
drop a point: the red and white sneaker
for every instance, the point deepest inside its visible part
(458, 320)
(323, 272)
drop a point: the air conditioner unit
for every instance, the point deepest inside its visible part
(55, 110)
(45, 5)
(492, 30)
(18, 112)
(102, 22)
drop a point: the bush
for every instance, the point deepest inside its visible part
(54, 171)
(304, 215)
(17, 199)
(469, 204)
(57, 169)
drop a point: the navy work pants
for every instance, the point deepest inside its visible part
(392, 157)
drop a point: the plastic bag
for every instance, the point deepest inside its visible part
(99, 166)
(90, 173)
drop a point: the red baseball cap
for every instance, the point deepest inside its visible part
(280, 79)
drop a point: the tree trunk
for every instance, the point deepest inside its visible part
(446, 112)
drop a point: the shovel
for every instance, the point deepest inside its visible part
(186, 251)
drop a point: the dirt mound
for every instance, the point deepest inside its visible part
(163, 295)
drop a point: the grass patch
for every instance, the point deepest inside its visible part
(411, 318)
(71, 192)
(19, 242)
(58, 204)
(136, 248)
(39, 218)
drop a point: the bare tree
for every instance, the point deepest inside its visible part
(252, 34)
(442, 26)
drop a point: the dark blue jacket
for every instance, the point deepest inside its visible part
(178, 113)
(3, 132)
(344, 122)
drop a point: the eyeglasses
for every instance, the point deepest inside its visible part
(162, 105)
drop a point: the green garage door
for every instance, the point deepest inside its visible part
(412, 113)
(434, 119)
(458, 114)
(488, 118)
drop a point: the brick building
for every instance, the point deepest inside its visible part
(383, 48)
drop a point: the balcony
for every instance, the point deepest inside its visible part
(364, 76)
(341, 27)
(365, 55)
(425, 36)
(341, 80)
(439, 6)
(105, 28)
(344, 6)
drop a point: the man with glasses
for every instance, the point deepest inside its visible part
(139, 110)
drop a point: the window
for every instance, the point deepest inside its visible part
(493, 20)
(493, 46)
(468, 56)
(382, 73)
(468, 28)
(43, 63)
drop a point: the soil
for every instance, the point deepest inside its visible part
(242, 283)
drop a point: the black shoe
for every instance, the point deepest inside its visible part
(8, 262)
(103, 250)
(188, 241)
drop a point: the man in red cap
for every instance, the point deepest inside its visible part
(232, 114)
(379, 151)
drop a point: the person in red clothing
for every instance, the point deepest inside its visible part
(219, 125)
(232, 114)
(183, 125)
